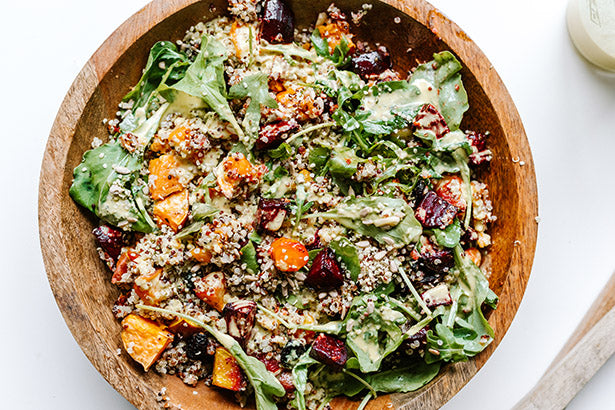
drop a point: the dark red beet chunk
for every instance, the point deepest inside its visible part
(325, 273)
(240, 317)
(329, 350)
(430, 119)
(435, 212)
(438, 261)
(434, 261)
(272, 135)
(271, 213)
(374, 62)
(278, 23)
(110, 240)
(270, 364)
(480, 153)
(286, 380)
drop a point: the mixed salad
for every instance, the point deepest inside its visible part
(288, 217)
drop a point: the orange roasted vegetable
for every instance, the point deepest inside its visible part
(211, 289)
(234, 170)
(289, 255)
(334, 32)
(173, 210)
(474, 255)
(163, 178)
(201, 255)
(121, 266)
(144, 339)
(150, 288)
(184, 327)
(227, 373)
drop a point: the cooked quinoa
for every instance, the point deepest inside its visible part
(289, 217)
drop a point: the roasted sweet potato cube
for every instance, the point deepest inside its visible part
(233, 171)
(121, 267)
(144, 339)
(173, 210)
(211, 289)
(201, 255)
(183, 327)
(227, 373)
(163, 178)
(150, 288)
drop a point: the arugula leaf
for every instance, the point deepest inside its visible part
(255, 87)
(300, 377)
(373, 337)
(340, 56)
(205, 79)
(93, 179)
(200, 213)
(404, 379)
(164, 61)
(469, 333)
(347, 252)
(362, 215)
(300, 206)
(336, 382)
(342, 166)
(318, 157)
(443, 74)
(321, 45)
(281, 153)
(143, 129)
(248, 256)
(449, 237)
(344, 162)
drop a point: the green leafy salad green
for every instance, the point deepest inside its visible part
(293, 221)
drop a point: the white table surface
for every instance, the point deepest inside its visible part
(568, 109)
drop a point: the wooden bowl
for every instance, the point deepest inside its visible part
(80, 281)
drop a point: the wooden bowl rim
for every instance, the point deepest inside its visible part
(53, 248)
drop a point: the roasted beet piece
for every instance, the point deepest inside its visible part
(271, 213)
(480, 154)
(286, 380)
(196, 346)
(271, 364)
(272, 135)
(468, 236)
(430, 119)
(414, 343)
(329, 350)
(373, 62)
(278, 23)
(477, 140)
(325, 272)
(110, 240)
(432, 260)
(240, 316)
(435, 212)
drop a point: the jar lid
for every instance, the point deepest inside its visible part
(591, 24)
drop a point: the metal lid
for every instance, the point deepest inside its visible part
(591, 24)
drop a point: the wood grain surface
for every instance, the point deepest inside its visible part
(80, 281)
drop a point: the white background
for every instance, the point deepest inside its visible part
(568, 109)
